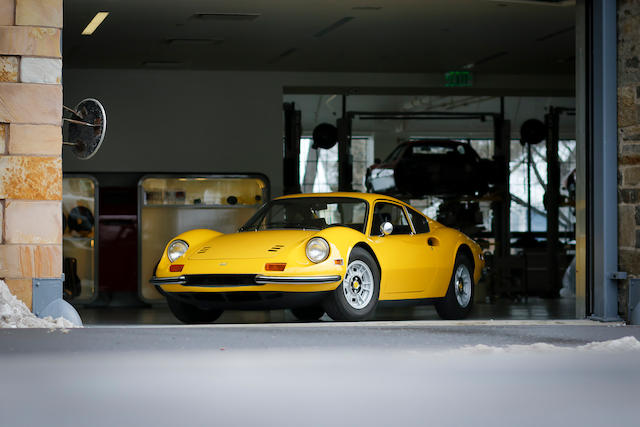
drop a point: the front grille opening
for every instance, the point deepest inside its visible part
(220, 279)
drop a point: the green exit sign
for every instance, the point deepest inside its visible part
(458, 79)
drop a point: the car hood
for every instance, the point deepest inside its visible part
(252, 244)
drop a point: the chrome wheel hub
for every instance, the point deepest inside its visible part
(462, 283)
(357, 286)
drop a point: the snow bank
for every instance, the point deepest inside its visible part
(613, 346)
(14, 314)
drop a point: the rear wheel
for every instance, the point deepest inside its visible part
(458, 301)
(190, 314)
(357, 296)
(308, 314)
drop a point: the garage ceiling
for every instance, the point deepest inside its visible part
(485, 36)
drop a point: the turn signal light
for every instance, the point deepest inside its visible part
(176, 268)
(275, 266)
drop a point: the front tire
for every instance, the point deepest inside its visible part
(458, 301)
(190, 314)
(357, 296)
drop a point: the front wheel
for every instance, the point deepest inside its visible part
(458, 301)
(357, 296)
(190, 314)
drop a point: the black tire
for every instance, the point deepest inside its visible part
(450, 307)
(337, 305)
(190, 314)
(308, 314)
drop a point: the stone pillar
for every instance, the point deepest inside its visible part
(30, 143)
(628, 143)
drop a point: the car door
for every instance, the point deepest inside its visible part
(404, 256)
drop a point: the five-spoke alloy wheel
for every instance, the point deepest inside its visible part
(357, 296)
(458, 301)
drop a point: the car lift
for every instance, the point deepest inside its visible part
(504, 262)
(502, 141)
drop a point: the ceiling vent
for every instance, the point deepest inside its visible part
(339, 23)
(560, 3)
(556, 33)
(163, 64)
(485, 60)
(193, 42)
(282, 55)
(226, 16)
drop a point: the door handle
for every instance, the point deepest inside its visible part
(433, 241)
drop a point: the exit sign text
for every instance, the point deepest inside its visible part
(458, 79)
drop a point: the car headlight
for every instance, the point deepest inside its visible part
(176, 249)
(317, 249)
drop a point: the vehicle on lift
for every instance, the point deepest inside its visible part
(419, 168)
(338, 253)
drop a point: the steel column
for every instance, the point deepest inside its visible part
(345, 159)
(603, 203)
(291, 161)
(552, 199)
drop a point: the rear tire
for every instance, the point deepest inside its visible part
(308, 314)
(357, 296)
(458, 301)
(190, 314)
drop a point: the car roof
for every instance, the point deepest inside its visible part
(369, 197)
(433, 142)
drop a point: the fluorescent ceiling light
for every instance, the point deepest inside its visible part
(95, 22)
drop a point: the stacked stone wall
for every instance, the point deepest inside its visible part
(30, 143)
(628, 143)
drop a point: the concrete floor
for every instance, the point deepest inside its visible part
(502, 309)
(378, 373)
(139, 366)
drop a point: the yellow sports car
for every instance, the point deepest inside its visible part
(339, 253)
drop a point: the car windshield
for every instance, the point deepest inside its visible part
(310, 213)
(395, 154)
(437, 149)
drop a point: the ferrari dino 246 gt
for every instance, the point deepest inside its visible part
(339, 253)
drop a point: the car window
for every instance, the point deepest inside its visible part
(420, 223)
(310, 213)
(435, 149)
(388, 212)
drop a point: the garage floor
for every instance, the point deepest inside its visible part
(533, 309)
(322, 374)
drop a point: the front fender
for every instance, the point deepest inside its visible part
(194, 238)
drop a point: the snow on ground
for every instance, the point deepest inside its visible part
(612, 346)
(14, 314)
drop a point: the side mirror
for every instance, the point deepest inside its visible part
(386, 228)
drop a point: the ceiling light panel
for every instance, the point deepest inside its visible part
(95, 23)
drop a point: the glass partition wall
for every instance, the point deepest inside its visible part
(79, 237)
(170, 205)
